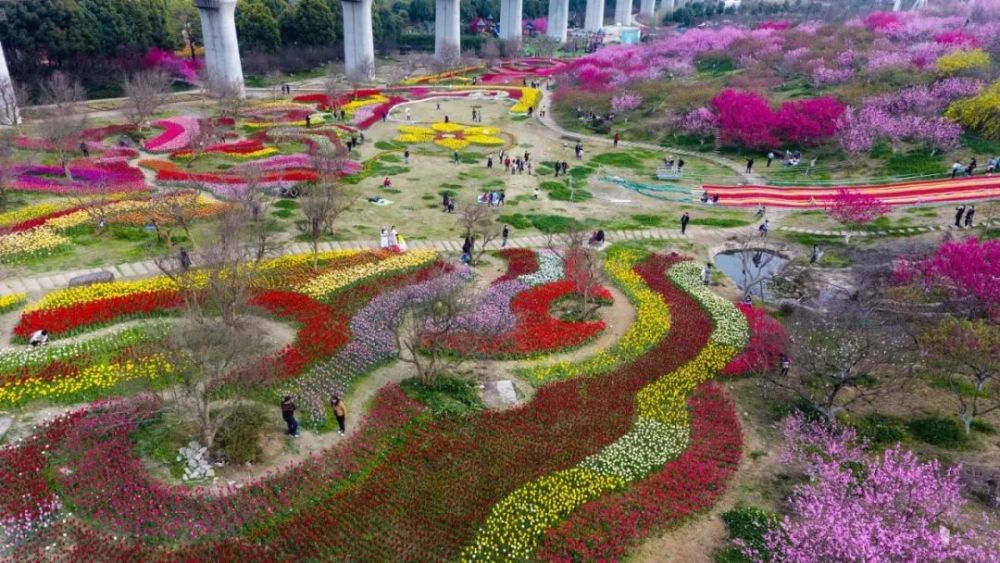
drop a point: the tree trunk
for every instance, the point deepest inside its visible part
(966, 423)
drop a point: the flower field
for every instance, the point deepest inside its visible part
(579, 440)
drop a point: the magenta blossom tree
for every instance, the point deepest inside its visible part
(854, 209)
(809, 122)
(966, 271)
(626, 102)
(746, 119)
(883, 507)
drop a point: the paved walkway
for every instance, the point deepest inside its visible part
(895, 231)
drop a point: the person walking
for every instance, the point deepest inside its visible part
(955, 169)
(504, 235)
(814, 256)
(339, 411)
(185, 259)
(685, 219)
(764, 227)
(408, 114)
(406, 157)
(308, 121)
(383, 238)
(456, 158)
(785, 364)
(489, 162)
(968, 216)
(706, 274)
(680, 165)
(959, 211)
(288, 414)
(770, 158)
(393, 237)
(749, 165)
(616, 139)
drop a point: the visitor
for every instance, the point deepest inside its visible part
(959, 211)
(715, 199)
(955, 169)
(288, 413)
(534, 194)
(468, 245)
(616, 139)
(437, 105)
(972, 167)
(968, 216)
(339, 411)
(393, 240)
(812, 166)
(706, 274)
(531, 112)
(565, 168)
(84, 149)
(308, 121)
(749, 165)
(400, 242)
(704, 196)
(39, 338)
(406, 157)
(680, 165)
(501, 198)
(764, 227)
(455, 157)
(446, 120)
(770, 158)
(185, 259)
(385, 115)
(747, 299)
(761, 210)
(558, 169)
(407, 111)
(785, 364)
(597, 238)
(343, 115)
(685, 219)
(504, 235)
(814, 257)
(383, 238)
(489, 162)
(387, 183)
(991, 165)
(451, 205)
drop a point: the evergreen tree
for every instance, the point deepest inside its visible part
(257, 28)
(310, 24)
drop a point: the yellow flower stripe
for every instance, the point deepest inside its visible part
(8, 302)
(354, 105)
(300, 260)
(35, 242)
(327, 283)
(452, 144)
(442, 127)
(416, 130)
(314, 120)
(530, 97)
(76, 295)
(651, 325)
(661, 431)
(93, 378)
(23, 214)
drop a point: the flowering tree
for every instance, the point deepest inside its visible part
(964, 273)
(809, 122)
(980, 113)
(626, 102)
(745, 118)
(700, 122)
(963, 61)
(854, 209)
(888, 507)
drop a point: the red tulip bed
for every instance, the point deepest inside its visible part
(406, 486)
(520, 262)
(768, 339)
(603, 530)
(62, 321)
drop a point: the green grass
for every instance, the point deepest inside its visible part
(881, 430)
(560, 191)
(283, 213)
(834, 260)
(447, 396)
(720, 222)
(977, 144)
(634, 159)
(938, 431)
(915, 162)
(286, 204)
(548, 224)
(807, 239)
(648, 220)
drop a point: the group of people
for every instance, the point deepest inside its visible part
(447, 203)
(709, 199)
(392, 239)
(964, 215)
(477, 115)
(562, 168)
(668, 163)
(517, 165)
(970, 168)
(288, 409)
(493, 199)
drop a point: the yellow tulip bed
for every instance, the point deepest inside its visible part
(329, 283)
(355, 105)
(8, 302)
(530, 98)
(452, 136)
(651, 325)
(40, 241)
(11, 218)
(660, 432)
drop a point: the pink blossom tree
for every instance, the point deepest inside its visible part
(809, 122)
(700, 123)
(746, 119)
(964, 272)
(886, 507)
(626, 102)
(855, 209)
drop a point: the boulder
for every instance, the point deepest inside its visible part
(103, 276)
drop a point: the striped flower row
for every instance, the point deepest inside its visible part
(331, 282)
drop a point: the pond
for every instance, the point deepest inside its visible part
(750, 267)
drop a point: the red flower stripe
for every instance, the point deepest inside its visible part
(66, 319)
(520, 262)
(768, 339)
(604, 529)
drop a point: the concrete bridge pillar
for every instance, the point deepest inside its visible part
(359, 43)
(222, 50)
(623, 12)
(647, 8)
(594, 19)
(8, 109)
(447, 29)
(667, 6)
(558, 19)
(510, 19)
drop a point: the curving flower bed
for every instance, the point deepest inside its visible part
(177, 133)
(11, 301)
(520, 262)
(88, 177)
(768, 340)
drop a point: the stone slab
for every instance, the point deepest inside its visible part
(5, 424)
(103, 276)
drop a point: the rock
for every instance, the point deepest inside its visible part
(103, 276)
(5, 424)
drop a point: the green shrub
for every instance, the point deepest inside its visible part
(559, 191)
(386, 145)
(881, 430)
(128, 233)
(749, 525)
(632, 159)
(286, 204)
(983, 427)
(648, 220)
(720, 222)
(237, 440)
(516, 220)
(915, 162)
(447, 396)
(393, 158)
(282, 213)
(939, 431)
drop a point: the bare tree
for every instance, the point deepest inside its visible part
(209, 133)
(208, 354)
(98, 205)
(480, 223)
(228, 97)
(63, 124)
(276, 79)
(333, 83)
(583, 266)
(362, 74)
(967, 354)
(543, 46)
(147, 91)
(843, 358)
(510, 48)
(448, 58)
(8, 172)
(257, 204)
(325, 200)
(439, 328)
(756, 256)
(13, 96)
(490, 53)
(170, 211)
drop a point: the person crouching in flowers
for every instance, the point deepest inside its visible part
(39, 338)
